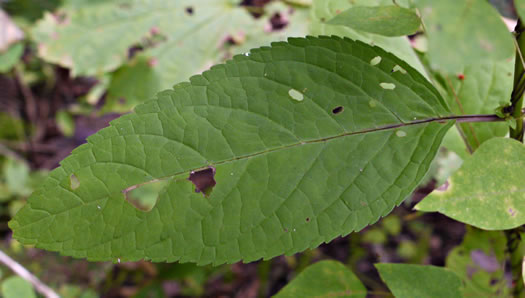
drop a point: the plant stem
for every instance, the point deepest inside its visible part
(514, 241)
(25, 274)
(519, 83)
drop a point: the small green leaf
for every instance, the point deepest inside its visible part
(389, 20)
(324, 279)
(520, 8)
(479, 89)
(288, 174)
(16, 287)
(17, 177)
(464, 33)
(407, 280)
(65, 123)
(9, 58)
(487, 191)
(324, 10)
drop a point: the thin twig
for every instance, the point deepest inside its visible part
(25, 274)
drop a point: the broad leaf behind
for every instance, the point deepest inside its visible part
(290, 173)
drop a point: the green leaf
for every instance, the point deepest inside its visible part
(289, 175)
(385, 20)
(17, 177)
(464, 33)
(11, 57)
(407, 280)
(93, 39)
(479, 90)
(324, 10)
(324, 279)
(480, 263)
(486, 192)
(16, 287)
(520, 7)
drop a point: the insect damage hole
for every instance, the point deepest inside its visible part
(204, 180)
(338, 110)
(145, 196)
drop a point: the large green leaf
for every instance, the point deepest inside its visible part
(479, 89)
(308, 139)
(407, 280)
(464, 32)
(388, 20)
(325, 10)
(480, 263)
(487, 190)
(520, 7)
(324, 279)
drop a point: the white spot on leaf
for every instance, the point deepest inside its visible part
(400, 69)
(401, 133)
(387, 86)
(375, 61)
(296, 95)
(73, 182)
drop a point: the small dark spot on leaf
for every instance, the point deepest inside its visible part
(286, 230)
(512, 212)
(439, 27)
(323, 19)
(307, 219)
(203, 180)
(337, 110)
(189, 10)
(122, 101)
(493, 281)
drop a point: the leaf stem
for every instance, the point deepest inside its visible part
(514, 242)
(519, 83)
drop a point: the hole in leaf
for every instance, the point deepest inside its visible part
(145, 196)
(203, 180)
(387, 86)
(337, 110)
(73, 182)
(375, 61)
(189, 10)
(296, 95)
